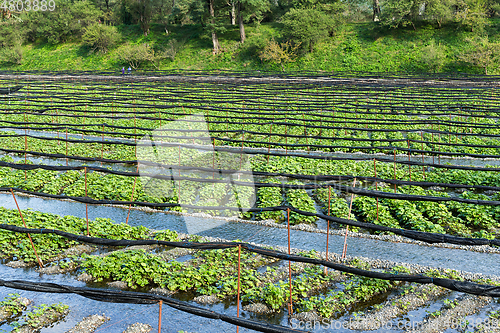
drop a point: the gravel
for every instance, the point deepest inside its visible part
(397, 306)
(138, 328)
(85, 277)
(162, 291)
(89, 324)
(205, 299)
(117, 284)
(467, 305)
(259, 308)
(19, 264)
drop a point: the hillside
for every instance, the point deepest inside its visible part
(356, 47)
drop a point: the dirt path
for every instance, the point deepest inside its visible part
(375, 79)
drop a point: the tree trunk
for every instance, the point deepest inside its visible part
(215, 39)
(376, 10)
(240, 23)
(233, 14)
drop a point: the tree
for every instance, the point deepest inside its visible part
(136, 55)
(141, 12)
(250, 9)
(308, 26)
(279, 53)
(100, 37)
(397, 13)
(188, 11)
(472, 14)
(376, 11)
(439, 11)
(481, 53)
(68, 20)
(213, 27)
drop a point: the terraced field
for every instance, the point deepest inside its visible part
(136, 174)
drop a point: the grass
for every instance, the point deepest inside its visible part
(357, 47)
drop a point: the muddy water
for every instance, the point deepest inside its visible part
(486, 263)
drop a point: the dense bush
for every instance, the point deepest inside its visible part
(136, 55)
(308, 26)
(67, 21)
(100, 37)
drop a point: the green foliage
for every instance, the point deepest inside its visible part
(366, 208)
(11, 305)
(40, 316)
(270, 197)
(279, 53)
(433, 56)
(12, 55)
(481, 53)
(136, 55)
(173, 47)
(50, 246)
(439, 11)
(67, 21)
(100, 37)
(141, 12)
(398, 13)
(471, 14)
(187, 12)
(135, 267)
(308, 26)
(300, 199)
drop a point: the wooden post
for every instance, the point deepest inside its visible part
(376, 182)
(132, 197)
(344, 251)
(328, 226)
(394, 169)
(238, 294)
(24, 223)
(86, 204)
(409, 160)
(290, 305)
(66, 146)
(159, 317)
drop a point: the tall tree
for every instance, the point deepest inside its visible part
(376, 10)
(248, 10)
(212, 27)
(142, 12)
(232, 12)
(240, 23)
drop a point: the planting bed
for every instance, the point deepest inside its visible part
(283, 165)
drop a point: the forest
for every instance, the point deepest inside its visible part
(447, 35)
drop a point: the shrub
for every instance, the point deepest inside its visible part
(136, 55)
(100, 37)
(279, 53)
(12, 55)
(433, 57)
(68, 20)
(482, 53)
(308, 26)
(173, 47)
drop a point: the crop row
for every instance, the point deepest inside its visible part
(207, 273)
(49, 247)
(341, 106)
(445, 217)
